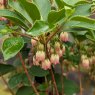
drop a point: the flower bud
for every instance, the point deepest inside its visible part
(2, 18)
(40, 47)
(51, 50)
(83, 57)
(85, 63)
(46, 64)
(40, 56)
(57, 46)
(64, 37)
(54, 59)
(60, 53)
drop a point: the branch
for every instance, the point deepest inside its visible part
(51, 71)
(27, 74)
(54, 33)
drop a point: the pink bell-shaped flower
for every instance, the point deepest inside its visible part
(85, 63)
(46, 64)
(57, 46)
(64, 37)
(60, 53)
(40, 56)
(54, 59)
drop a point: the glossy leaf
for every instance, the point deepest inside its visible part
(55, 16)
(15, 81)
(44, 7)
(31, 9)
(39, 28)
(81, 22)
(11, 46)
(42, 87)
(70, 3)
(60, 4)
(18, 79)
(73, 3)
(4, 69)
(17, 6)
(38, 71)
(83, 10)
(83, 19)
(25, 90)
(13, 16)
(70, 87)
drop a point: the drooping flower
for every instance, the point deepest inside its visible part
(51, 50)
(46, 64)
(40, 56)
(83, 57)
(64, 37)
(54, 59)
(85, 63)
(60, 53)
(57, 46)
(41, 47)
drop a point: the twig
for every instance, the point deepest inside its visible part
(51, 72)
(54, 33)
(54, 82)
(7, 85)
(80, 81)
(25, 35)
(62, 78)
(28, 76)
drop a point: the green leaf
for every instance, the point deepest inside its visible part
(4, 69)
(18, 79)
(15, 80)
(25, 90)
(42, 87)
(90, 38)
(11, 46)
(31, 9)
(39, 28)
(81, 22)
(70, 87)
(25, 80)
(44, 7)
(74, 3)
(38, 71)
(13, 16)
(55, 16)
(17, 6)
(83, 19)
(70, 3)
(60, 4)
(83, 10)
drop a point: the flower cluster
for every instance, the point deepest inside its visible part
(87, 62)
(54, 51)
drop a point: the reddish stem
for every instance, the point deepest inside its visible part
(28, 76)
